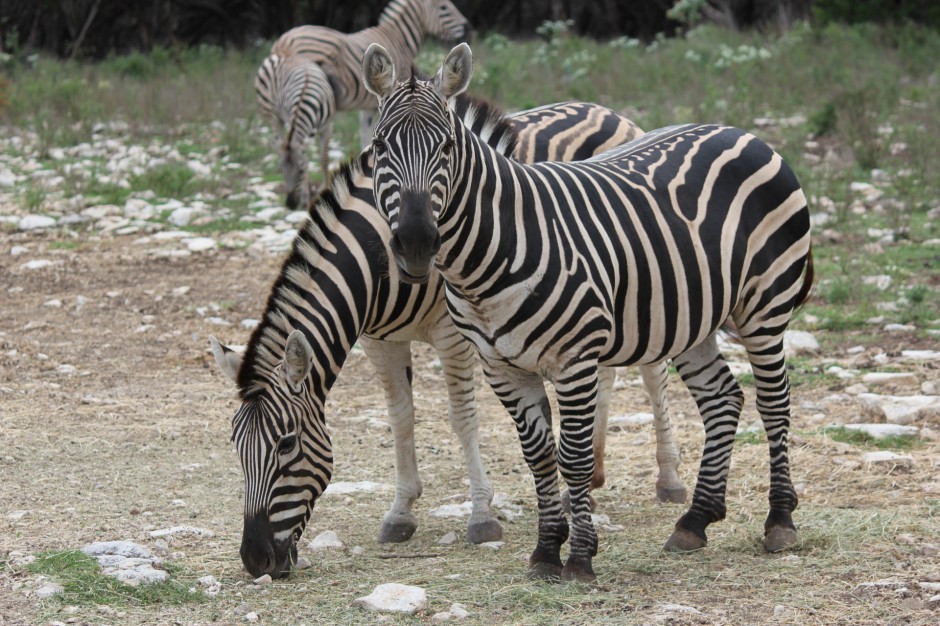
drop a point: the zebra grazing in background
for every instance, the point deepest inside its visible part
(637, 255)
(402, 27)
(337, 286)
(296, 97)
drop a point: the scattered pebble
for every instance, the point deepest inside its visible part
(448, 539)
(394, 598)
(327, 540)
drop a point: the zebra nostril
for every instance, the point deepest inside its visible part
(395, 244)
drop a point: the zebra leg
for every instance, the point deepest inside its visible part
(669, 487)
(366, 121)
(392, 363)
(458, 358)
(577, 405)
(773, 403)
(606, 376)
(719, 399)
(523, 395)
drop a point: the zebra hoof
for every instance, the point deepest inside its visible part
(483, 531)
(397, 532)
(779, 538)
(566, 503)
(682, 540)
(578, 570)
(544, 571)
(673, 495)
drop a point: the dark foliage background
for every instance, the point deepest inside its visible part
(96, 28)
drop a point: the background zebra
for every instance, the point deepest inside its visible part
(631, 257)
(402, 27)
(335, 285)
(296, 97)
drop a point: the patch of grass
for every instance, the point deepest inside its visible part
(33, 198)
(750, 438)
(70, 244)
(859, 438)
(85, 585)
(170, 180)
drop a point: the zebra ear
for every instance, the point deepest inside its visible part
(378, 71)
(454, 76)
(298, 360)
(227, 359)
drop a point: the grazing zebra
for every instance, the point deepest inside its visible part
(296, 97)
(637, 255)
(402, 27)
(337, 284)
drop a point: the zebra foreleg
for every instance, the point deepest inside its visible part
(392, 363)
(773, 402)
(669, 487)
(523, 395)
(719, 399)
(577, 404)
(458, 358)
(606, 376)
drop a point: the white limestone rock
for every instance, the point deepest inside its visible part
(889, 459)
(799, 342)
(200, 244)
(192, 531)
(130, 563)
(623, 422)
(882, 379)
(880, 431)
(327, 540)
(456, 611)
(48, 590)
(342, 488)
(394, 598)
(449, 539)
(36, 264)
(36, 222)
(899, 409)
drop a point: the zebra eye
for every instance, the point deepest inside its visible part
(447, 147)
(378, 144)
(286, 443)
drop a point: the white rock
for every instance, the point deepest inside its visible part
(130, 563)
(677, 608)
(800, 342)
(899, 409)
(394, 598)
(856, 389)
(251, 616)
(262, 580)
(36, 264)
(617, 422)
(464, 509)
(48, 590)
(881, 281)
(364, 486)
(841, 372)
(880, 431)
(182, 530)
(200, 244)
(920, 355)
(492, 545)
(295, 217)
(886, 457)
(207, 581)
(182, 216)
(506, 506)
(35, 222)
(7, 178)
(448, 539)
(18, 250)
(127, 549)
(880, 379)
(327, 540)
(249, 324)
(302, 563)
(456, 611)
(218, 321)
(929, 388)
(899, 328)
(55, 303)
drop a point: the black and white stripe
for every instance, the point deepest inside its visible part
(296, 97)
(402, 27)
(336, 287)
(632, 257)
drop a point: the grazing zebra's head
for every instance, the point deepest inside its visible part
(280, 438)
(414, 153)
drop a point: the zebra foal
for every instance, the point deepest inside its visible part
(337, 286)
(296, 97)
(634, 256)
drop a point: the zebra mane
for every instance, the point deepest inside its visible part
(487, 121)
(265, 349)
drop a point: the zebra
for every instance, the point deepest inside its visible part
(401, 28)
(336, 286)
(634, 256)
(296, 97)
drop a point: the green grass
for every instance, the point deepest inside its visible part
(859, 438)
(85, 585)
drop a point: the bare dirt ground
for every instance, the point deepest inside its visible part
(135, 437)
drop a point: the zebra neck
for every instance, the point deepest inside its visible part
(402, 24)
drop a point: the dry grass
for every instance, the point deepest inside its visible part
(148, 424)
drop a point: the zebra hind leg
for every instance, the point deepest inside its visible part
(773, 403)
(458, 358)
(669, 487)
(523, 395)
(719, 399)
(392, 363)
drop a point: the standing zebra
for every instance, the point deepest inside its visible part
(337, 284)
(401, 29)
(296, 97)
(631, 257)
